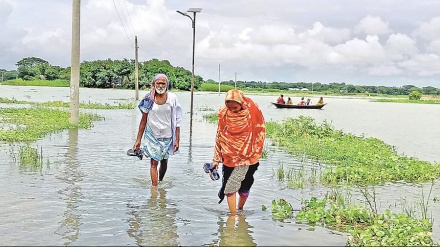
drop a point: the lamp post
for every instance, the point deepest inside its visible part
(193, 20)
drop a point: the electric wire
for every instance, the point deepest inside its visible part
(123, 26)
(129, 19)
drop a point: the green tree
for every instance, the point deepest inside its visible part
(8, 75)
(415, 95)
(31, 67)
(430, 90)
(52, 72)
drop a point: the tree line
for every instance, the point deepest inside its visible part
(105, 73)
(121, 73)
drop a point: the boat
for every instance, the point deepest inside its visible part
(298, 106)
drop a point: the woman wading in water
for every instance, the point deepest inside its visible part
(239, 143)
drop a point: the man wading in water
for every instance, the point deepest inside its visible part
(159, 126)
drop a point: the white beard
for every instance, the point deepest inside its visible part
(161, 90)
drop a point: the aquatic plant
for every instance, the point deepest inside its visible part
(12, 101)
(29, 159)
(391, 229)
(280, 172)
(281, 209)
(351, 159)
(205, 108)
(265, 152)
(34, 123)
(297, 177)
(366, 228)
(89, 105)
(211, 117)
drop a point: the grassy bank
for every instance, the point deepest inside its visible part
(47, 83)
(211, 87)
(421, 101)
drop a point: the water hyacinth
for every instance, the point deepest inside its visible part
(34, 123)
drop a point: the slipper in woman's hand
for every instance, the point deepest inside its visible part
(207, 167)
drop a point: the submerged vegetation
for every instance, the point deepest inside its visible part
(339, 158)
(212, 117)
(31, 124)
(347, 158)
(129, 105)
(90, 105)
(350, 159)
(29, 159)
(364, 226)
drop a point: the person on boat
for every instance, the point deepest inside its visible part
(301, 102)
(308, 101)
(289, 101)
(159, 126)
(321, 101)
(280, 100)
(239, 142)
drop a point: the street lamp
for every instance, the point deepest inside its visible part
(193, 20)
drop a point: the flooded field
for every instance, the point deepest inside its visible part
(89, 192)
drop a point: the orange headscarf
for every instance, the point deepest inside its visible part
(240, 136)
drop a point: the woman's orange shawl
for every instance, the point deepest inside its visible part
(240, 136)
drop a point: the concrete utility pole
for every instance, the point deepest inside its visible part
(136, 68)
(75, 66)
(218, 79)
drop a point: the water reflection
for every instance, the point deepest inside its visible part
(235, 232)
(190, 147)
(153, 223)
(32, 209)
(69, 227)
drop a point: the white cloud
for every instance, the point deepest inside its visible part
(429, 30)
(373, 26)
(385, 70)
(297, 40)
(423, 64)
(244, 35)
(434, 47)
(400, 46)
(327, 34)
(359, 52)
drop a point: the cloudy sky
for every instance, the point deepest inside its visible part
(362, 42)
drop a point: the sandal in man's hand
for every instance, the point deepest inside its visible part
(137, 152)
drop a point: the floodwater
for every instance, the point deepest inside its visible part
(90, 193)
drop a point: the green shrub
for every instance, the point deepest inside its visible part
(415, 95)
(211, 87)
